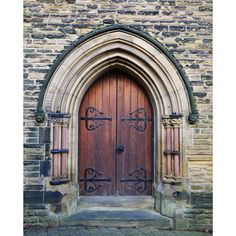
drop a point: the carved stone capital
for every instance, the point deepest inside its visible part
(65, 121)
(176, 122)
(171, 122)
(56, 121)
(166, 122)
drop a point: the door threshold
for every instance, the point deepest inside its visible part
(117, 218)
(126, 202)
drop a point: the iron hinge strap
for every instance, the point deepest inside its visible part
(135, 180)
(95, 179)
(95, 118)
(56, 151)
(134, 118)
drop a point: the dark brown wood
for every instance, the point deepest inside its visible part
(117, 95)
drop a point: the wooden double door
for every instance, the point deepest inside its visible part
(115, 138)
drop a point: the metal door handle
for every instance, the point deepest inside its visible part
(120, 149)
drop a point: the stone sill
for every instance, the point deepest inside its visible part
(59, 181)
(172, 180)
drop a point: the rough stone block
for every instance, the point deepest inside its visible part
(170, 34)
(44, 135)
(33, 187)
(148, 13)
(52, 197)
(45, 1)
(45, 167)
(31, 197)
(177, 28)
(108, 21)
(126, 12)
(161, 27)
(92, 6)
(180, 222)
(55, 36)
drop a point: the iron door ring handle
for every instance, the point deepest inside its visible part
(120, 149)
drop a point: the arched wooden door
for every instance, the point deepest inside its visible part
(115, 138)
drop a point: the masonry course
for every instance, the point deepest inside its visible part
(184, 27)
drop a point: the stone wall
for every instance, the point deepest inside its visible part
(184, 27)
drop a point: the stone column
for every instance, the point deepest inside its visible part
(176, 147)
(64, 155)
(172, 148)
(55, 155)
(168, 127)
(59, 150)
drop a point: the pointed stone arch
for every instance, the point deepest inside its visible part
(133, 39)
(120, 47)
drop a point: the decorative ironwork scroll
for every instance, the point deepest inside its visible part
(140, 118)
(90, 179)
(91, 121)
(140, 180)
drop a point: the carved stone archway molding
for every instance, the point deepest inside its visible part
(121, 47)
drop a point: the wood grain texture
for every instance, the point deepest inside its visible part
(116, 95)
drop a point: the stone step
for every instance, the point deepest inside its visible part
(140, 202)
(116, 217)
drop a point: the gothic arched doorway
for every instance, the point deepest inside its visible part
(168, 89)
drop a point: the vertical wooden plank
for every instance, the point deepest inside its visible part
(134, 137)
(119, 135)
(143, 159)
(98, 155)
(149, 142)
(92, 133)
(83, 138)
(112, 131)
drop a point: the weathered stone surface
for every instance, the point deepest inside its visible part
(108, 21)
(92, 6)
(184, 27)
(118, 218)
(33, 187)
(44, 135)
(83, 230)
(45, 167)
(68, 31)
(126, 12)
(153, 13)
(170, 34)
(161, 27)
(55, 36)
(31, 197)
(200, 95)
